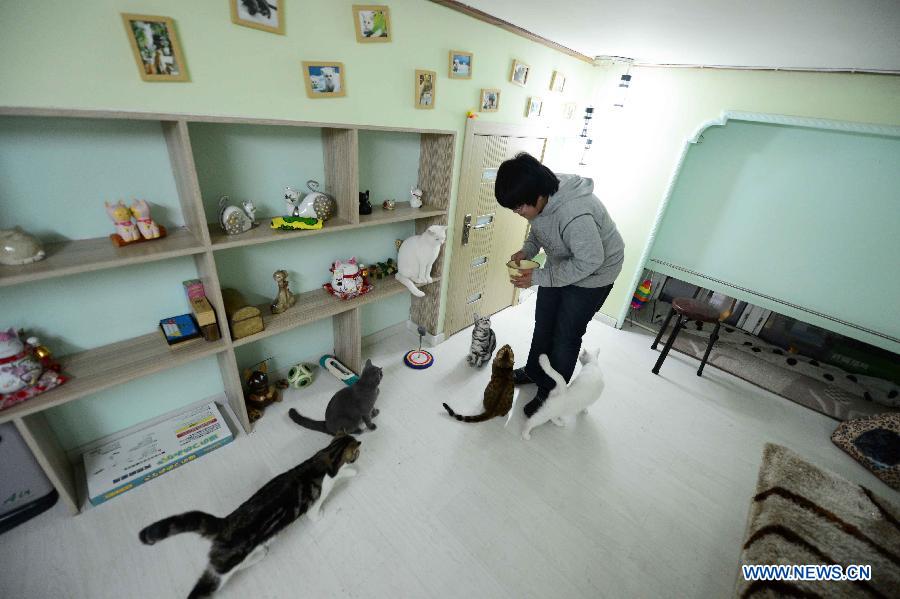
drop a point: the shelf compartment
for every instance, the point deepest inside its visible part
(264, 234)
(317, 304)
(97, 369)
(86, 255)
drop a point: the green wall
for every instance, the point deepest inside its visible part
(236, 71)
(637, 149)
(807, 216)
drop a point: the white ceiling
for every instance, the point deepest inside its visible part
(824, 34)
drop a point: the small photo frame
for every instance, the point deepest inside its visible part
(557, 82)
(490, 100)
(372, 23)
(425, 89)
(533, 107)
(519, 73)
(569, 110)
(155, 47)
(265, 15)
(460, 65)
(325, 79)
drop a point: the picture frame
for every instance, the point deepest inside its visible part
(325, 79)
(155, 46)
(265, 15)
(557, 82)
(425, 89)
(519, 73)
(568, 110)
(372, 23)
(460, 65)
(533, 107)
(489, 100)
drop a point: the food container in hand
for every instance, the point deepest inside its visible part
(518, 268)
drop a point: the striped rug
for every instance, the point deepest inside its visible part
(804, 515)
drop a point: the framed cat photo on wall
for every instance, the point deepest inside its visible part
(155, 47)
(490, 100)
(460, 65)
(372, 23)
(266, 15)
(519, 73)
(426, 91)
(325, 79)
(534, 107)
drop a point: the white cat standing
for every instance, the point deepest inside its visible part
(567, 401)
(416, 257)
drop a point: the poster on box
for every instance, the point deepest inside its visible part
(125, 463)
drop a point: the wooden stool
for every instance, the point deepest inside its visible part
(689, 309)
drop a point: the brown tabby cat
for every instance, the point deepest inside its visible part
(498, 395)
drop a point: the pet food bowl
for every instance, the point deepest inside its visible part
(515, 268)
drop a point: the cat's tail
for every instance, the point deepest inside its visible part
(549, 371)
(315, 425)
(409, 285)
(199, 522)
(208, 584)
(480, 418)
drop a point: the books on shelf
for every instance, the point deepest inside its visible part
(125, 463)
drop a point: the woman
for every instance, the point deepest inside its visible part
(584, 256)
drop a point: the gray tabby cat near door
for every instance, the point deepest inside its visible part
(416, 257)
(484, 342)
(240, 539)
(350, 408)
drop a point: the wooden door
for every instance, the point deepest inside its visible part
(485, 234)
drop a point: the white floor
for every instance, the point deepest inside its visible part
(644, 497)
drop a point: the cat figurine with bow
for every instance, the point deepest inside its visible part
(347, 280)
(417, 255)
(146, 225)
(121, 216)
(569, 400)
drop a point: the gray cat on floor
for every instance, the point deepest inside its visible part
(349, 408)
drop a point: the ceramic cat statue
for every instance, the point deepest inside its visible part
(416, 257)
(18, 247)
(120, 214)
(347, 280)
(415, 198)
(147, 226)
(234, 220)
(26, 369)
(316, 204)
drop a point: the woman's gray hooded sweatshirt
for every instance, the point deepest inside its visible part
(581, 241)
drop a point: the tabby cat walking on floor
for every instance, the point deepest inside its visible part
(241, 538)
(484, 342)
(498, 395)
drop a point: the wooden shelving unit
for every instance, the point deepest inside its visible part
(86, 255)
(100, 368)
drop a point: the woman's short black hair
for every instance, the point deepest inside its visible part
(522, 180)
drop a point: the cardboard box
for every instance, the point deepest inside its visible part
(123, 464)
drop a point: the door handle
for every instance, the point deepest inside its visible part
(467, 226)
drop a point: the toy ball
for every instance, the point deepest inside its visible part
(300, 375)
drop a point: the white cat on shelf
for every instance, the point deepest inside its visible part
(568, 400)
(416, 257)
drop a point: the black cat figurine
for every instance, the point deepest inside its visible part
(364, 206)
